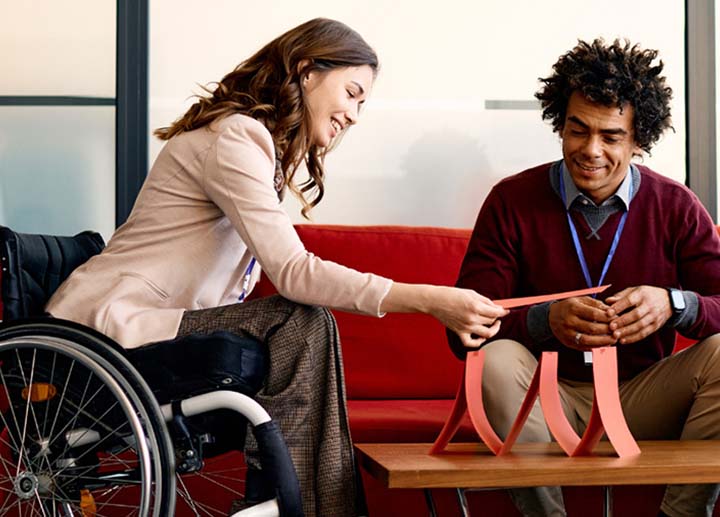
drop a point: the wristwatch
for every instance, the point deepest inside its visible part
(677, 303)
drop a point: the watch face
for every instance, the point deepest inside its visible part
(677, 300)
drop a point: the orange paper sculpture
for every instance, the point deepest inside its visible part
(606, 416)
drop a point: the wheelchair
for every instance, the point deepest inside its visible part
(89, 429)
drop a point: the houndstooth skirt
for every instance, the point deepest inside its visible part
(304, 392)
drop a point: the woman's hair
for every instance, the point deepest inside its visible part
(267, 87)
(611, 75)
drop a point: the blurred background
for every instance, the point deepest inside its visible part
(452, 110)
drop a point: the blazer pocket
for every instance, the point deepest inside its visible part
(152, 286)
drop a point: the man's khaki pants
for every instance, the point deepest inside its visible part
(677, 398)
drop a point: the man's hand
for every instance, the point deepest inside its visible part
(642, 310)
(581, 323)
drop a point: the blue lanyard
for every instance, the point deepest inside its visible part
(246, 280)
(576, 239)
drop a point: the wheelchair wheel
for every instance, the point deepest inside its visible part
(81, 433)
(211, 491)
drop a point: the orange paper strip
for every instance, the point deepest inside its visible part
(522, 416)
(509, 303)
(453, 422)
(593, 432)
(607, 395)
(553, 412)
(476, 408)
(606, 416)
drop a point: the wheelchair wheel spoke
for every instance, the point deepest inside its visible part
(78, 409)
(52, 383)
(216, 480)
(201, 509)
(105, 507)
(25, 417)
(118, 462)
(8, 504)
(95, 421)
(12, 446)
(62, 398)
(90, 451)
(40, 504)
(27, 510)
(19, 448)
(198, 507)
(7, 465)
(29, 385)
(225, 479)
(230, 475)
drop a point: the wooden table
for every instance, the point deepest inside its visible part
(537, 464)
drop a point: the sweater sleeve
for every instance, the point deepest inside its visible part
(698, 249)
(239, 178)
(491, 267)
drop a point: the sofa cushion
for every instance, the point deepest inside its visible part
(682, 342)
(403, 356)
(403, 421)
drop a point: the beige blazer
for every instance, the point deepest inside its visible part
(206, 208)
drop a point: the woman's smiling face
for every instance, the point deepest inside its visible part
(333, 99)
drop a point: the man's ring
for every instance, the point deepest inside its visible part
(578, 335)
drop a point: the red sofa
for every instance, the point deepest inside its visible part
(401, 376)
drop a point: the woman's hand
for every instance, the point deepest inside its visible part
(470, 315)
(473, 317)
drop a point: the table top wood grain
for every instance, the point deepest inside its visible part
(472, 465)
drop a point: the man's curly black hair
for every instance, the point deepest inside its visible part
(611, 75)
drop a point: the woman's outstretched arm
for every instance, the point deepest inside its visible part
(473, 317)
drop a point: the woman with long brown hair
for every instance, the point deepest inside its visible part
(208, 218)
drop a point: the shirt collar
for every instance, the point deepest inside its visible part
(572, 192)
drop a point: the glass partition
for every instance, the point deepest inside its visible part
(57, 168)
(57, 116)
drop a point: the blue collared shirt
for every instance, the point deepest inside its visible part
(622, 193)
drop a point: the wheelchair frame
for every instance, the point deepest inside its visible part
(124, 461)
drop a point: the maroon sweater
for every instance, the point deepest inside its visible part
(522, 246)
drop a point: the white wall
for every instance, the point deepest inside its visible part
(426, 150)
(57, 48)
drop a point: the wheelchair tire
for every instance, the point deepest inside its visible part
(81, 433)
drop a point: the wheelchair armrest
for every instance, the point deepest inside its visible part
(33, 266)
(200, 363)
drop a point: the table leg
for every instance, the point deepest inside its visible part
(462, 500)
(430, 502)
(607, 501)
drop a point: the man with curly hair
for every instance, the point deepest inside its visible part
(596, 218)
